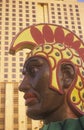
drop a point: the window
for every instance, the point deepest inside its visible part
(72, 22)
(33, 3)
(2, 91)
(15, 128)
(71, 10)
(81, 36)
(13, 6)
(77, 10)
(14, 76)
(6, 70)
(16, 110)
(64, 5)
(5, 58)
(2, 110)
(13, 64)
(21, 64)
(21, 76)
(21, 53)
(13, 59)
(15, 90)
(13, 1)
(13, 19)
(21, 59)
(27, 11)
(7, 1)
(27, 24)
(20, 2)
(73, 27)
(65, 13)
(13, 14)
(70, 5)
(20, 15)
(65, 9)
(6, 47)
(79, 23)
(15, 120)
(6, 28)
(13, 10)
(2, 100)
(52, 4)
(20, 6)
(26, 3)
(6, 38)
(5, 76)
(7, 10)
(15, 100)
(13, 33)
(59, 13)
(58, 4)
(65, 17)
(76, 6)
(78, 18)
(13, 28)
(77, 14)
(1, 120)
(13, 70)
(67, 26)
(7, 14)
(20, 19)
(20, 10)
(53, 12)
(71, 14)
(33, 7)
(72, 18)
(52, 8)
(20, 24)
(60, 22)
(80, 32)
(79, 27)
(66, 22)
(7, 5)
(58, 9)
(6, 34)
(7, 18)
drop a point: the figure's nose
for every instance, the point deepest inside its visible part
(24, 86)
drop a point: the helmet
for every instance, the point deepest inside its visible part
(57, 45)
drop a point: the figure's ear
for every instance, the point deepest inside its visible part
(66, 75)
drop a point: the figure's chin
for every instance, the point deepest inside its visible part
(34, 114)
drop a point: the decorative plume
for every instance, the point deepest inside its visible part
(46, 33)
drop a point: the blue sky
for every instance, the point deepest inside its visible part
(81, 0)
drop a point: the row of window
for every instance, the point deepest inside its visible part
(2, 121)
(64, 5)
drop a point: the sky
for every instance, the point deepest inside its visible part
(81, 0)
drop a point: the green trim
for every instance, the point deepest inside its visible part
(68, 124)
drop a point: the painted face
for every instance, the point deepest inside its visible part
(39, 97)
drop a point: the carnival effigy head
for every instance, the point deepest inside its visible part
(63, 51)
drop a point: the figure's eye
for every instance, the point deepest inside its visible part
(32, 70)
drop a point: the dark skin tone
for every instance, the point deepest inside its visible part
(42, 102)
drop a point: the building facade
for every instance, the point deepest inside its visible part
(14, 16)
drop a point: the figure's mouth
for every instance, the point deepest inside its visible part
(30, 98)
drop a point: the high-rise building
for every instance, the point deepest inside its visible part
(14, 16)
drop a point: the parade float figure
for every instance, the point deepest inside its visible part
(53, 83)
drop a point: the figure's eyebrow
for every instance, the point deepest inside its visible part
(28, 63)
(33, 60)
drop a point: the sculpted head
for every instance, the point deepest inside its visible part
(53, 83)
